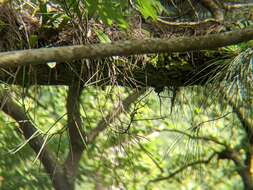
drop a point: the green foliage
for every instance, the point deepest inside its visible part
(150, 8)
(153, 146)
(102, 36)
(16, 169)
(108, 11)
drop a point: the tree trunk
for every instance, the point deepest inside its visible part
(247, 180)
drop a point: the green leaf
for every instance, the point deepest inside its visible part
(103, 38)
(149, 8)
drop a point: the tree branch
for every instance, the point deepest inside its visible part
(229, 6)
(246, 121)
(75, 131)
(123, 48)
(46, 157)
(104, 122)
(242, 169)
(204, 138)
(214, 8)
(188, 24)
(182, 169)
(78, 140)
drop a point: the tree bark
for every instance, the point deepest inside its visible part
(123, 48)
(75, 131)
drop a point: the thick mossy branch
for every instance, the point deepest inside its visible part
(123, 48)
